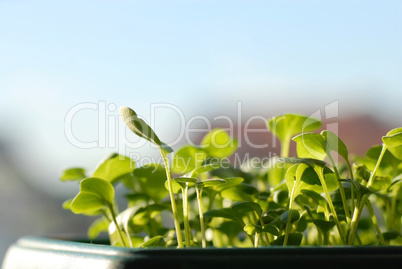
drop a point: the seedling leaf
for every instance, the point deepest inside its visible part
(73, 174)
(226, 213)
(156, 241)
(185, 180)
(324, 225)
(176, 187)
(252, 229)
(203, 169)
(241, 192)
(310, 145)
(334, 143)
(151, 177)
(308, 161)
(294, 239)
(114, 167)
(393, 141)
(97, 227)
(67, 204)
(294, 216)
(390, 235)
(271, 229)
(395, 181)
(141, 128)
(244, 207)
(95, 193)
(212, 182)
(230, 182)
(187, 159)
(289, 125)
(218, 143)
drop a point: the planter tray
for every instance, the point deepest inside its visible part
(49, 252)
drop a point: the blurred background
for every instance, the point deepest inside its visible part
(67, 66)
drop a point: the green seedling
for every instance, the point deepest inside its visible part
(140, 128)
(284, 127)
(302, 200)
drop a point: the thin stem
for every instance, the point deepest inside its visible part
(172, 200)
(256, 237)
(288, 223)
(352, 192)
(285, 145)
(341, 190)
(375, 222)
(352, 197)
(320, 173)
(394, 220)
(350, 170)
(358, 211)
(266, 234)
(200, 212)
(320, 236)
(187, 231)
(255, 218)
(371, 179)
(326, 238)
(112, 213)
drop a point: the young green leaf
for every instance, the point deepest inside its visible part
(152, 177)
(393, 137)
(144, 214)
(361, 190)
(295, 239)
(95, 193)
(211, 182)
(310, 145)
(67, 204)
(271, 229)
(134, 199)
(293, 179)
(388, 162)
(245, 207)
(228, 171)
(218, 143)
(187, 159)
(230, 182)
(323, 225)
(141, 128)
(390, 235)
(317, 198)
(114, 167)
(309, 161)
(396, 181)
(252, 229)
(284, 127)
(73, 174)
(185, 180)
(334, 143)
(176, 187)
(226, 213)
(97, 227)
(203, 169)
(393, 141)
(156, 241)
(295, 215)
(310, 176)
(241, 192)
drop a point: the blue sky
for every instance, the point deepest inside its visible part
(202, 56)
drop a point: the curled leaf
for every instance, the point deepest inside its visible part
(141, 128)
